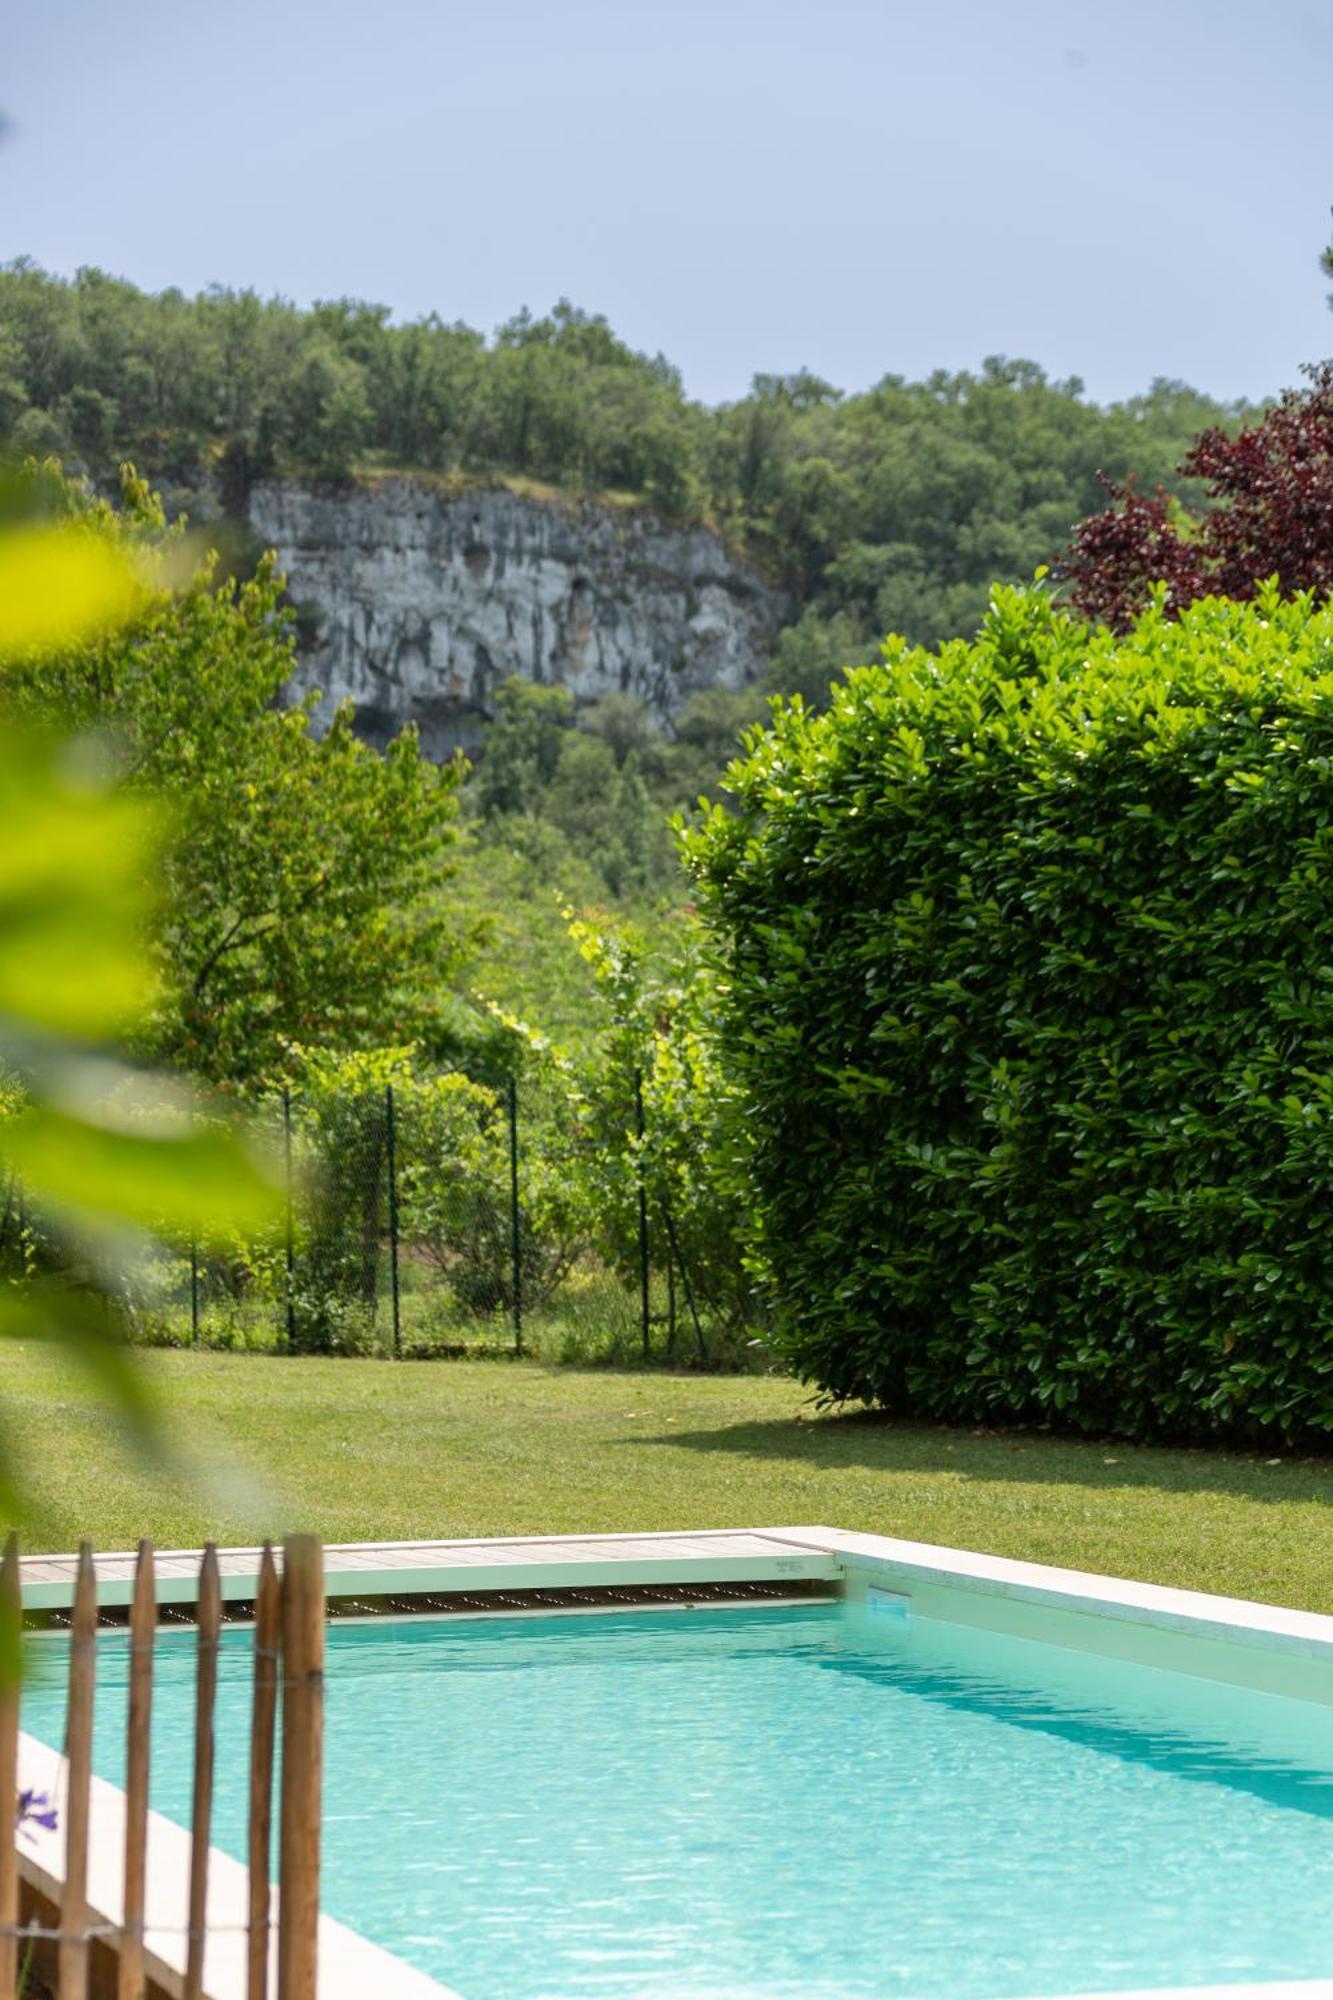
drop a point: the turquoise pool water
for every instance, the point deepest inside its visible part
(759, 1804)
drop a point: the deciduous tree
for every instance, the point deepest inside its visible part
(298, 891)
(1271, 515)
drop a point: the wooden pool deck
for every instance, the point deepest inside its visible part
(427, 1568)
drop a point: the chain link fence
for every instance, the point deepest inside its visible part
(470, 1217)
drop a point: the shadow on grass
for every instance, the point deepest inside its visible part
(868, 1442)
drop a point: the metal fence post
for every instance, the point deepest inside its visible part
(291, 1239)
(515, 1241)
(671, 1308)
(674, 1248)
(643, 1218)
(194, 1291)
(391, 1129)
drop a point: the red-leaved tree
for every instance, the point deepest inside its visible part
(1271, 514)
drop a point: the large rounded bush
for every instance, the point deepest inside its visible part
(1028, 970)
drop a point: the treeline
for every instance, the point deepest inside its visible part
(894, 509)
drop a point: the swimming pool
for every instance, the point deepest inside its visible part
(765, 1803)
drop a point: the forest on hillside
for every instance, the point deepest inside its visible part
(895, 508)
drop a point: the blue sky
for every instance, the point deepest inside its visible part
(1116, 190)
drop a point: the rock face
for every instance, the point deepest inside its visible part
(417, 602)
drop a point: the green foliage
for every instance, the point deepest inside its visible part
(513, 882)
(602, 787)
(657, 1026)
(581, 1160)
(100, 368)
(73, 861)
(523, 745)
(296, 887)
(1026, 956)
(456, 1196)
(897, 507)
(454, 1193)
(341, 1157)
(516, 881)
(810, 655)
(707, 736)
(105, 1154)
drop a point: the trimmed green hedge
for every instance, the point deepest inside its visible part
(1028, 967)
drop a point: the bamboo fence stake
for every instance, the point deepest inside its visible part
(302, 1757)
(268, 1632)
(143, 1627)
(73, 1958)
(206, 1685)
(10, 1626)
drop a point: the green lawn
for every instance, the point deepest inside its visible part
(365, 1449)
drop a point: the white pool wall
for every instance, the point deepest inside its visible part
(1265, 1647)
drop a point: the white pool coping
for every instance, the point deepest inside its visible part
(717, 1555)
(1266, 1647)
(1237, 1619)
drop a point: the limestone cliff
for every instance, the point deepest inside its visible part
(418, 601)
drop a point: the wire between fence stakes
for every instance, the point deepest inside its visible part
(96, 1932)
(289, 1654)
(424, 1225)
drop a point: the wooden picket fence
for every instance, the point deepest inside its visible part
(288, 1659)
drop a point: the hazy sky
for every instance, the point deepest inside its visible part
(1117, 190)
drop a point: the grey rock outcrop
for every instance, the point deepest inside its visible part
(417, 602)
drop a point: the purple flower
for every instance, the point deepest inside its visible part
(36, 1809)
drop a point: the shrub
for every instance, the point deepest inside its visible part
(452, 1162)
(456, 1194)
(1271, 489)
(1028, 983)
(656, 1019)
(340, 1217)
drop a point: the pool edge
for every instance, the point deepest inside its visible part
(350, 1964)
(1265, 1647)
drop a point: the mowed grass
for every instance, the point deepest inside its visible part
(363, 1450)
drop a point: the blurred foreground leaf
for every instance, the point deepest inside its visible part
(62, 583)
(65, 1312)
(101, 1153)
(181, 1183)
(75, 861)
